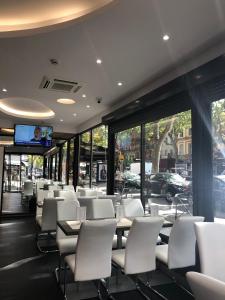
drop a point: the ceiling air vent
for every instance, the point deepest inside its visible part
(60, 85)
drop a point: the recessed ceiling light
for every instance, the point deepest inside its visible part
(99, 61)
(166, 37)
(137, 101)
(84, 96)
(198, 76)
(74, 114)
(119, 83)
(88, 106)
(4, 90)
(65, 101)
(61, 120)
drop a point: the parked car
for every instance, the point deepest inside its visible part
(168, 185)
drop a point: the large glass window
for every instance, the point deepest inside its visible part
(168, 164)
(99, 156)
(64, 162)
(71, 161)
(218, 133)
(127, 162)
(85, 158)
(53, 167)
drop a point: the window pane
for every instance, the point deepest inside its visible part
(85, 157)
(99, 157)
(127, 162)
(168, 164)
(64, 160)
(218, 121)
(71, 162)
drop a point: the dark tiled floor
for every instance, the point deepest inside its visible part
(27, 274)
(12, 204)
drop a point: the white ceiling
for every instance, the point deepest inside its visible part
(126, 35)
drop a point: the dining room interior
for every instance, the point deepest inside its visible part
(112, 149)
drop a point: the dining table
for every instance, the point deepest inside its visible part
(124, 224)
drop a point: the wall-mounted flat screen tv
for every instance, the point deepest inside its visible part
(33, 135)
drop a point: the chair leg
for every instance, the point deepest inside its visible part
(64, 283)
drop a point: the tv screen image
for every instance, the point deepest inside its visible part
(33, 135)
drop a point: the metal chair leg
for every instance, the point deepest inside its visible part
(64, 283)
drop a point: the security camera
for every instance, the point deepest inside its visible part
(99, 100)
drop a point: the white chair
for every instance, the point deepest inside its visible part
(132, 207)
(67, 195)
(47, 222)
(205, 287)
(114, 198)
(98, 209)
(66, 210)
(41, 195)
(68, 187)
(28, 192)
(211, 245)
(93, 253)
(180, 252)
(139, 254)
(102, 208)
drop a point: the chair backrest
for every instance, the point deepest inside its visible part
(211, 245)
(67, 195)
(114, 198)
(182, 241)
(41, 194)
(49, 215)
(94, 250)
(102, 208)
(90, 193)
(69, 187)
(66, 210)
(28, 188)
(88, 203)
(205, 287)
(141, 243)
(132, 207)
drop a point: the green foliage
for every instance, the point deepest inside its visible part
(100, 136)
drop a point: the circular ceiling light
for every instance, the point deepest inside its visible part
(66, 101)
(25, 108)
(4, 90)
(74, 114)
(61, 120)
(166, 37)
(119, 83)
(84, 96)
(20, 17)
(88, 106)
(99, 61)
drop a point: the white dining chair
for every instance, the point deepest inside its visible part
(139, 255)
(68, 195)
(211, 245)
(47, 222)
(28, 192)
(132, 207)
(68, 187)
(93, 253)
(180, 251)
(205, 287)
(66, 211)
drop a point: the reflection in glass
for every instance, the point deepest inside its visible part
(64, 161)
(127, 162)
(99, 157)
(85, 158)
(168, 163)
(218, 133)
